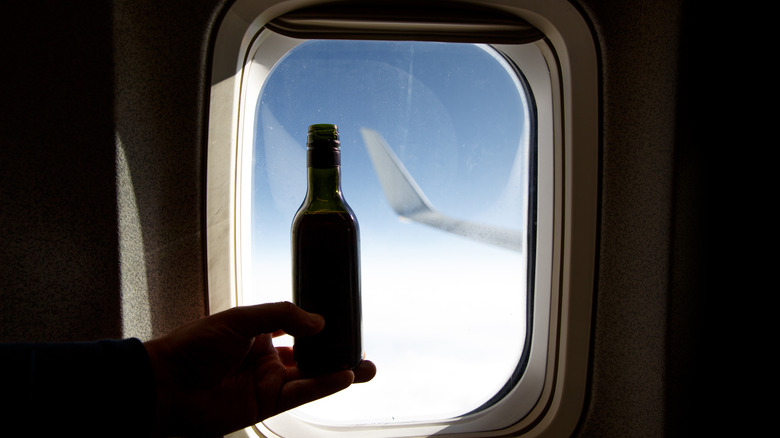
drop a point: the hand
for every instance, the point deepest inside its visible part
(222, 373)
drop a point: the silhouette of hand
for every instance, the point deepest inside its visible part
(222, 373)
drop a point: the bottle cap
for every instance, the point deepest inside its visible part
(323, 134)
(323, 146)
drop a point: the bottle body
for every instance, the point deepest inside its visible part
(325, 239)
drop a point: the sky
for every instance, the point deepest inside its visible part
(437, 308)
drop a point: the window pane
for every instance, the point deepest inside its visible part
(443, 314)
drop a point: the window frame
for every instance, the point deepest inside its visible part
(565, 268)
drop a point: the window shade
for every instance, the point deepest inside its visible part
(405, 20)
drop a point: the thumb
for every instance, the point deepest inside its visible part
(251, 321)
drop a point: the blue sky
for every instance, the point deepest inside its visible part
(449, 111)
(454, 116)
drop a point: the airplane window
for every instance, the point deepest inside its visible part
(470, 158)
(437, 151)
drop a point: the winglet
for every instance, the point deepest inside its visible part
(407, 199)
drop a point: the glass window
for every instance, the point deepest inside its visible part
(436, 164)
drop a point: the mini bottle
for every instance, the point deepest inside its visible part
(326, 261)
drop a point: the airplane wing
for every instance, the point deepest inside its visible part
(408, 200)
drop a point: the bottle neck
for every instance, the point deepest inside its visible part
(323, 161)
(324, 186)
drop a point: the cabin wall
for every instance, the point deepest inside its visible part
(160, 100)
(639, 51)
(102, 168)
(58, 226)
(102, 153)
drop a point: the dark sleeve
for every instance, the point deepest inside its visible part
(103, 388)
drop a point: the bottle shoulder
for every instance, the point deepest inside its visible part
(316, 205)
(308, 222)
(315, 212)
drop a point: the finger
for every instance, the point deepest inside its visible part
(271, 318)
(364, 372)
(286, 355)
(298, 392)
(262, 345)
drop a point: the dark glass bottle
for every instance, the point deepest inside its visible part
(326, 261)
